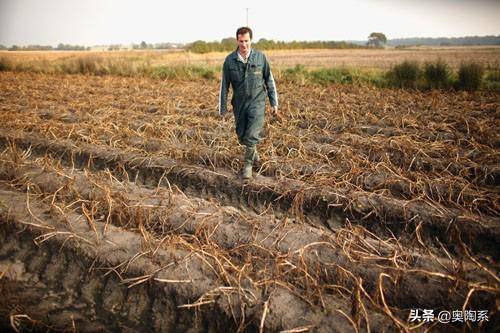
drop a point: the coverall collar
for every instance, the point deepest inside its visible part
(243, 59)
(250, 59)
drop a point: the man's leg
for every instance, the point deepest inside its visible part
(241, 126)
(255, 122)
(240, 123)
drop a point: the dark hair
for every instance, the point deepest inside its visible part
(244, 30)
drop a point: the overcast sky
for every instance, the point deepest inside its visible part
(93, 22)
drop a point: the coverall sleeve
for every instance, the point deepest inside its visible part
(224, 89)
(270, 84)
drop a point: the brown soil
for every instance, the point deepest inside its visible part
(63, 274)
(127, 215)
(321, 206)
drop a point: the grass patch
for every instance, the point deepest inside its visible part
(331, 75)
(5, 64)
(437, 75)
(338, 75)
(492, 77)
(164, 72)
(404, 75)
(407, 74)
(470, 76)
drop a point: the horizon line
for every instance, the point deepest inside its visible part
(212, 41)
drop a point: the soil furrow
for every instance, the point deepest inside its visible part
(316, 205)
(118, 300)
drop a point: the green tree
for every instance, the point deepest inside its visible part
(199, 46)
(376, 39)
(228, 44)
(229, 40)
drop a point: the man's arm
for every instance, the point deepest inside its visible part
(224, 89)
(270, 85)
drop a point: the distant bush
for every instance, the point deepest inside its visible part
(408, 74)
(470, 76)
(122, 67)
(88, 65)
(162, 72)
(437, 74)
(182, 72)
(204, 47)
(68, 47)
(338, 75)
(404, 75)
(492, 77)
(371, 77)
(91, 65)
(297, 74)
(194, 72)
(5, 64)
(331, 75)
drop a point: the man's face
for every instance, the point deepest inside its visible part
(244, 43)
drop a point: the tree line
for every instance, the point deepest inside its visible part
(229, 44)
(69, 47)
(445, 41)
(59, 47)
(375, 39)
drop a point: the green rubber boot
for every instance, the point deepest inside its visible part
(256, 160)
(246, 172)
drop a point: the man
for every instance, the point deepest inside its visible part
(248, 72)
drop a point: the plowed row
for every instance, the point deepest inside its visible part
(121, 208)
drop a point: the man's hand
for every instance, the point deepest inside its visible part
(224, 115)
(275, 112)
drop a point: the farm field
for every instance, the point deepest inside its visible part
(281, 59)
(121, 208)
